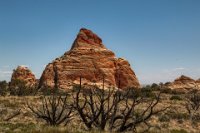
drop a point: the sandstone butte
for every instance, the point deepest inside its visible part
(184, 82)
(89, 59)
(24, 74)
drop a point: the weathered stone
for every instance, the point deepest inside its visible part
(198, 83)
(23, 74)
(90, 59)
(184, 82)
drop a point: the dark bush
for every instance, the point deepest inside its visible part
(49, 91)
(166, 90)
(177, 116)
(19, 88)
(176, 97)
(178, 131)
(178, 91)
(147, 91)
(193, 104)
(155, 87)
(3, 88)
(164, 118)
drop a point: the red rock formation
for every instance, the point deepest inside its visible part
(183, 82)
(198, 83)
(23, 74)
(91, 60)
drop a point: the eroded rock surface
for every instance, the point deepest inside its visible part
(24, 74)
(184, 82)
(198, 83)
(90, 59)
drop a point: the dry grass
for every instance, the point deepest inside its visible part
(174, 120)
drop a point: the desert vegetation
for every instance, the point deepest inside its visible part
(152, 108)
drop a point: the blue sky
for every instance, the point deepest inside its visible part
(160, 38)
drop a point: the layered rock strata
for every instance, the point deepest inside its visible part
(89, 59)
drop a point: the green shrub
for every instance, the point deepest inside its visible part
(23, 91)
(3, 88)
(18, 127)
(147, 91)
(178, 92)
(19, 88)
(164, 118)
(48, 91)
(176, 97)
(178, 116)
(166, 90)
(196, 118)
(178, 131)
(155, 87)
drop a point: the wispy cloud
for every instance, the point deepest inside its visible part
(5, 75)
(163, 75)
(179, 69)
(5, 67)
(174, 70)
(5, 72)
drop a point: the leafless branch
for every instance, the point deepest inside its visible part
(55, 110)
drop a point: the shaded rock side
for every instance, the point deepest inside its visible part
(90, 59)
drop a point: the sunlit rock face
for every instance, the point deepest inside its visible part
(184, 82)
(90, 59)
(198, 83)
(24, 74)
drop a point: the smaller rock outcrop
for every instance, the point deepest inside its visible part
(184, 82)
(198, 83)
(25, 75)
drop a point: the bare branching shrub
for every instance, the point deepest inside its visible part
(193, 104)
(96, 106)
(55, 110)
(115, 110)
(135, 110)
